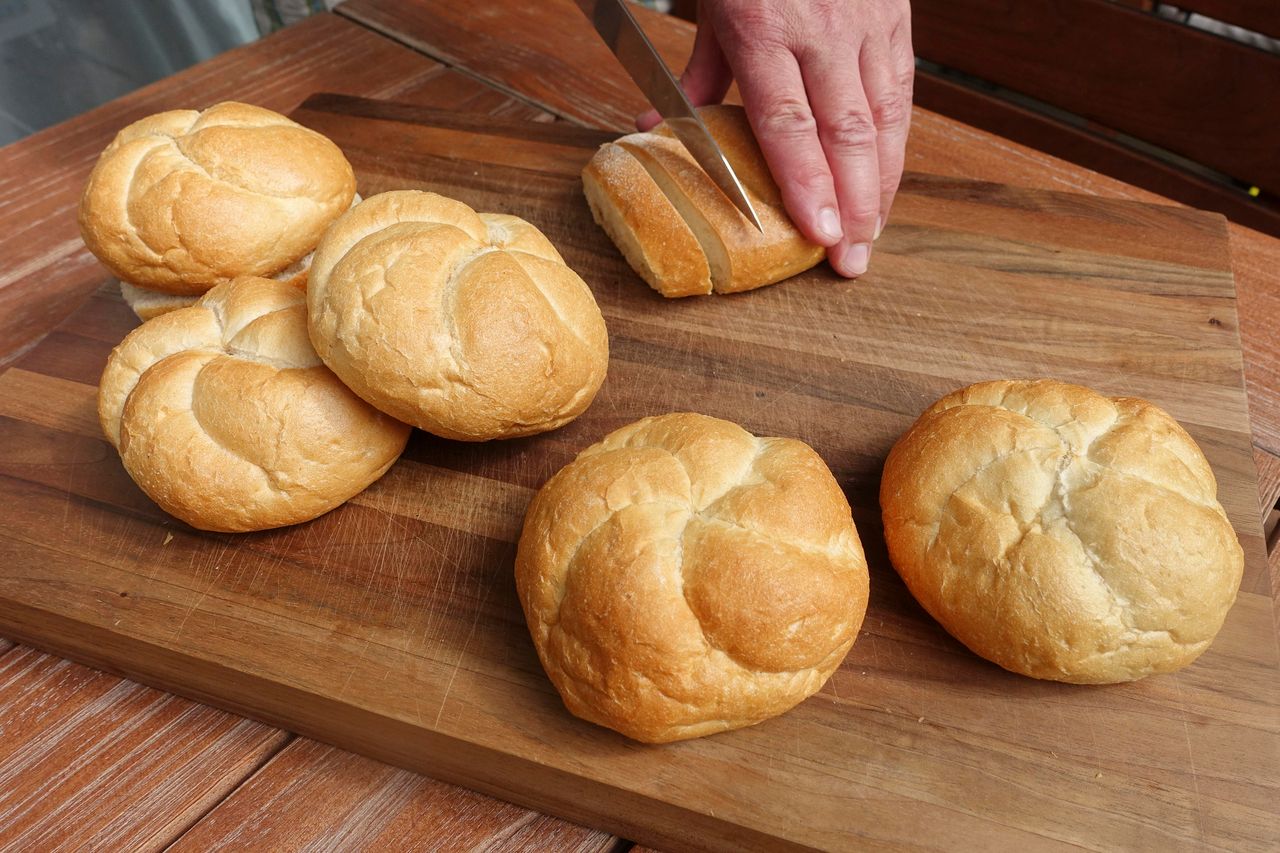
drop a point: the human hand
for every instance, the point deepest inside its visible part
(827, 88)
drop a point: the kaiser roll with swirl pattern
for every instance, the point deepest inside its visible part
(467, 325)
(683, 577)
(1060, 533)
(224, 415)
(184, 200)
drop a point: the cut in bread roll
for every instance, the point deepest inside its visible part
(683, 577)
(467, 325)
(184, 200)
(1060, 533)
(674, 225)
(224, 415)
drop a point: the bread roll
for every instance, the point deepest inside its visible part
(225, 417)
(184, 200)
(675, 227)
(683, 577)
(467, 325)
(1060, 533)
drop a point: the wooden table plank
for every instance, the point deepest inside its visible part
(546, 53)
(89, 761)
(314, 796)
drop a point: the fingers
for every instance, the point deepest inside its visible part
(706, 78)
(887, 74)
(847, 130)
(773, 93)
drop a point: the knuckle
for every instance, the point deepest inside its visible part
(850, 132)
(891, 112)
(809, 180)
(787, 118)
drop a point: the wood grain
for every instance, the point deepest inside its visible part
(72, 740)
(545, 52)
(311, 796)
(1190, 92)
(47, 270)
(1268, 479)
(390, 626)
(1091, 149)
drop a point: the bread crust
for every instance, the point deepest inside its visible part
(678, 231)
(682, 577)
(184, 200)
(225, 417)
(467, 325)
(149, 304)
(1060, 533)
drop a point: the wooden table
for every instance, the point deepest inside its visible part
(88, 759)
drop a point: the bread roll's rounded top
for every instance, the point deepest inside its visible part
(683, 577)
(184, 200)
(467, 325)
(1060, 533)
(224, 415)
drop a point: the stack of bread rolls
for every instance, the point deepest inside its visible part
(681, 576)
(235, 407)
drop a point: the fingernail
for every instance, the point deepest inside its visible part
(879, 227)
(829, 224)
(855, 259)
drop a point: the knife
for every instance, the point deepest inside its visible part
(613, 20)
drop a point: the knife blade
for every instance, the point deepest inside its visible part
(617, 26)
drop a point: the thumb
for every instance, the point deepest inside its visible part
(706, 78)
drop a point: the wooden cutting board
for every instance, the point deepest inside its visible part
(391, 625)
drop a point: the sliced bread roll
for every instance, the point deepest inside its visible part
(674, 225)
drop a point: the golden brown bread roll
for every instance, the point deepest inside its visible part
(1060, 533)
(467, 325)
(184, 200)
(683, 577)
(677, 229)
(225, 417)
